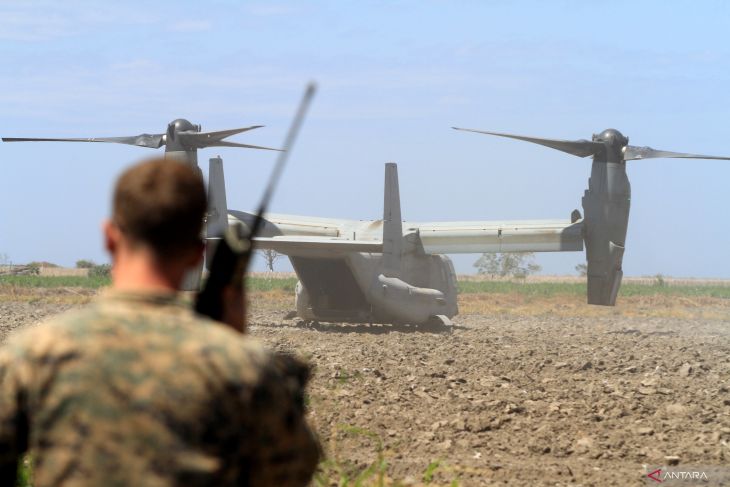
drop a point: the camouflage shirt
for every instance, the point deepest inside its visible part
(137, 390)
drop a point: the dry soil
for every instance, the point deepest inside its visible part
(551, 396)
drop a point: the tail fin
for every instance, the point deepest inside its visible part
(392, 225)
(217, 222)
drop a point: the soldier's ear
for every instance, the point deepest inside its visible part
(112, 235)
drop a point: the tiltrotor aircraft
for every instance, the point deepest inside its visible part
(394, 271)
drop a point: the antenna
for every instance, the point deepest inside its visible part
(233, 253)
(291, 137)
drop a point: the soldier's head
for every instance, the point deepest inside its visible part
(157, 216)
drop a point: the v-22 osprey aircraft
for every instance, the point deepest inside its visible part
(394, 271)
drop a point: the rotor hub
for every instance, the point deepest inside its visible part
(182, 125)
(614, 141)
(173, 143)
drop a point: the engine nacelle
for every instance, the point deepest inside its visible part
(606, 204)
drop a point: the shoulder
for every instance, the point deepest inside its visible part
(175, 332)
(225, 350)
(242, 358)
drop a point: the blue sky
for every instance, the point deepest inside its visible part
(393, 77)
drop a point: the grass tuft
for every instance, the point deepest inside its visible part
(25, 472)
(430, 470)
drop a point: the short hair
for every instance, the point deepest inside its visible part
(161, 204)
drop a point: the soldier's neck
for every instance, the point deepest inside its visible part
(140, 272)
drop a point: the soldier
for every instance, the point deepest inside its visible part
(136, 389)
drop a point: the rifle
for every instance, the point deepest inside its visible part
(223, 296)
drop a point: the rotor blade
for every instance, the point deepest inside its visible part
(632, 152)
(203, 139)
(222, 134)
(291, 137)
(225, 143)
(152, 141)
(580, 148)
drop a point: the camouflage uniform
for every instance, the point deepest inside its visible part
(137, 390)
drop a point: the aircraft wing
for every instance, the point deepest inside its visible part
(293, 225)
(312, 236)
(508, 236)
(302, 246)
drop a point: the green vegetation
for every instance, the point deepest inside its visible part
(428, 474)
(100, 279)
(508, 264)
(95, 270)
(43, 263)
(658, 287)
(25, 472)
(346, 473)
(271, 283)
(101, 271)
(55, 281)
(334, 471)
(85, 264)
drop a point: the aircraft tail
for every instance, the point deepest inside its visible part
(217, 220)
(392, 224)
(389, 292)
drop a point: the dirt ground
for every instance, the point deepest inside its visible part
(555, 393)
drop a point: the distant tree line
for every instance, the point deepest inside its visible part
(516, 265)
(95, 270)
